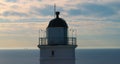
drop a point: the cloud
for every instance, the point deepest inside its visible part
(11, 0)
(114, 5)
(87, 9)
(99, 10)
(14, 6)
(93, 19)
(95, 10)
(4, 20)
(21, 29)
(75, 12)
(24, 34)
(2, 4)
(46, 11)
(13, 13)
(90, 33)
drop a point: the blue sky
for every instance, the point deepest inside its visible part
(97, 21)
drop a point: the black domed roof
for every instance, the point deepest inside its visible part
(57, 22)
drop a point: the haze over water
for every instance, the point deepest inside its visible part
(83, 56)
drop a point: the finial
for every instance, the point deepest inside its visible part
(57, 14)
(54, 9)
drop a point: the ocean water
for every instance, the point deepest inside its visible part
(83, 56)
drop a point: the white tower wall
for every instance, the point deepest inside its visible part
(62, 54)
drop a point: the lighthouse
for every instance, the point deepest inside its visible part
(57, 47)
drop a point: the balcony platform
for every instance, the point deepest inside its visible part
(44, 42)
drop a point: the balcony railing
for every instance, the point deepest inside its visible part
(71, 41)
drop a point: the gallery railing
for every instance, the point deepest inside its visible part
(70, 41)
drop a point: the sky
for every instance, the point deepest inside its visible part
(97, 21)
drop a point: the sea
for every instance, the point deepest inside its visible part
(83, 56)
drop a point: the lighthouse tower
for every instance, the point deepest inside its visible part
(57, 47)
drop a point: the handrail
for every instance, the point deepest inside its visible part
(44, 41)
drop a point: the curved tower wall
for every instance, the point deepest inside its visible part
(57, 36)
